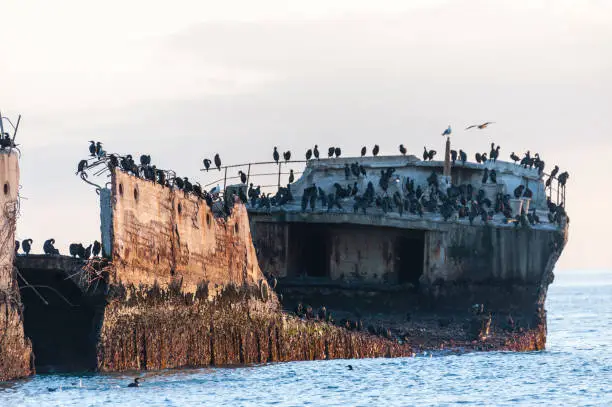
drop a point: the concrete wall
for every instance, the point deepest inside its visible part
(15, 348)
(159, 235)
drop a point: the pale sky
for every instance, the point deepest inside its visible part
(182, 80)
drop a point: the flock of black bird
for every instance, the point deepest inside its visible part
(75, 249)
(463, 200)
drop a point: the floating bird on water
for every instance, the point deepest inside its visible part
(375, 150)
(135, 383)
(218, 162)
(275, 155)
(206, 163)
(479, 126)
(402, 149)
(26, 245)
(315, 152)
(448, 131)
(364, 151)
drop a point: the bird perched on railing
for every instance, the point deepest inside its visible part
(308, 154)
(92, 148)
(206, 163)
(563, 178)
(275, 155)
(479, 126)
(330, 152)
(243, 177)
(287, 155)
(554, 172)
(217, 162)
(81, 167)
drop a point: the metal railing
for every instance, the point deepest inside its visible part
(250, 174)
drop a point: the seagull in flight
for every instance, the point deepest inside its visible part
(480, 126)
(448, 131)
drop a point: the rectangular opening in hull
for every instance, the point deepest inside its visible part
(410, 252)
(308, 250)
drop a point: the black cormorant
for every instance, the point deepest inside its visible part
(337, 151)
(82, 166)
(87, 252)
(275, 155)
(330, 152)
(554, 172)
(243, 177)
(291, 177)
(206, 163)
(462, 156)
(218, 162)
(364, 151)
(92, 148)
(48, 247)
(145, 160)
(402, 149)
(26, 245)
(453, 156)
(17, 244)
(96, 249)
(308, 154)
(375, 150)
(135, 383)
(315, 152)
(514, 157)
(485, 175)
(287, 155)
(347, 171)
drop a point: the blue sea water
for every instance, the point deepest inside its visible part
(575, 370)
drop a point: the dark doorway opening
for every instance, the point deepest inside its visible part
(410, 256)
(62, 325)
(309, 250)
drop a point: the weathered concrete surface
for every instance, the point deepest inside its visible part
(15, 348)
(185, 290)
(166, 329)
(159, 234)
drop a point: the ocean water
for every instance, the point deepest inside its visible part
(575, 370)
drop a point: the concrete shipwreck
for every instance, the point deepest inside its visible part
(185, 281)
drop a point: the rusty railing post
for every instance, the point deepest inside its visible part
(248, 174)
(279, 173)
(225, 181)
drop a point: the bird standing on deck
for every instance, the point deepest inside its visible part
(402, 149)
(375, 150)
(514, 157)
(479, 126)
(337, 151)
(462, 156)
(48, 247)
(308, 154)
(330, 152)
(448, 131)
(26, 245)
(97, 247)
(364, 151)
(275, 155)
(315, 152)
